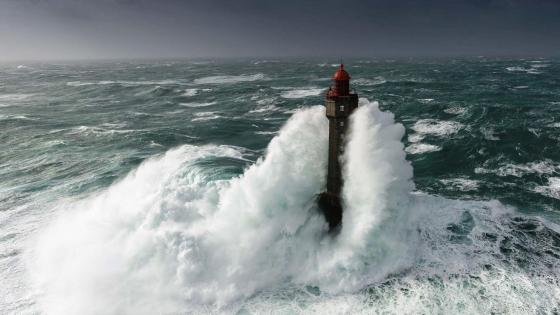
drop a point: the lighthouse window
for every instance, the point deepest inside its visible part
(341, 124)
(341, 108)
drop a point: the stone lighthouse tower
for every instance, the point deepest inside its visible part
(340, 103)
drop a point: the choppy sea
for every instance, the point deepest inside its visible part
(188, 187)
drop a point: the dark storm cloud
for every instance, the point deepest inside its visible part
(47, 29)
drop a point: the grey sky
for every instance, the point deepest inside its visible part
(82, 29)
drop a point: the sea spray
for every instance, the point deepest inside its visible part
(173, 236)
(265, 224)
(377, 226)
(117, 252)
(377, 176)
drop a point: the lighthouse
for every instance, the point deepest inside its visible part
(339, 103)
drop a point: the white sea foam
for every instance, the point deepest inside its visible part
(265, 109)
(229, 79)
(282, 87)
(302, 93)
(530, 70)
(198, 104)
(456, 110)
(419, 148)
(462, 184)
(14, 117)
(258, 62)
(415, 137)
(125, 83)
(489, 133)
(193, 92)
(369, 82)
(14, 97)
(54, 143)
(190, 92)
(204, 116)
(266, 133)
(174, 112)
(425, 100)
(535, 131)
(437, 127)
(520, 170)
(552, 189)
(422, 295)
(513, 69)
(101, 130)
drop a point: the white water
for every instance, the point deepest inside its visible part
(437, 127)
(420, 148)
(230, 79)
(125, 83)
(175, 237)
(198, 104)
(302, 93)
(520, 170)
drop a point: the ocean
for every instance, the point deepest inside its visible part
(189, 187)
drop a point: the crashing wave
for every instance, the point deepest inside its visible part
(181, 234)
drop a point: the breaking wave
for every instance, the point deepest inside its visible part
(437, 127)
(419, 148)
(209, 241)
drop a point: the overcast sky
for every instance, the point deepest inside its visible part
(84, 29)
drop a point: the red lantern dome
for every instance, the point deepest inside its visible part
(341, 83)
(341, 74)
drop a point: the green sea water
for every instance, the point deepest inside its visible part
(119, 182)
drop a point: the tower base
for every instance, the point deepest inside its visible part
(331, 206)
